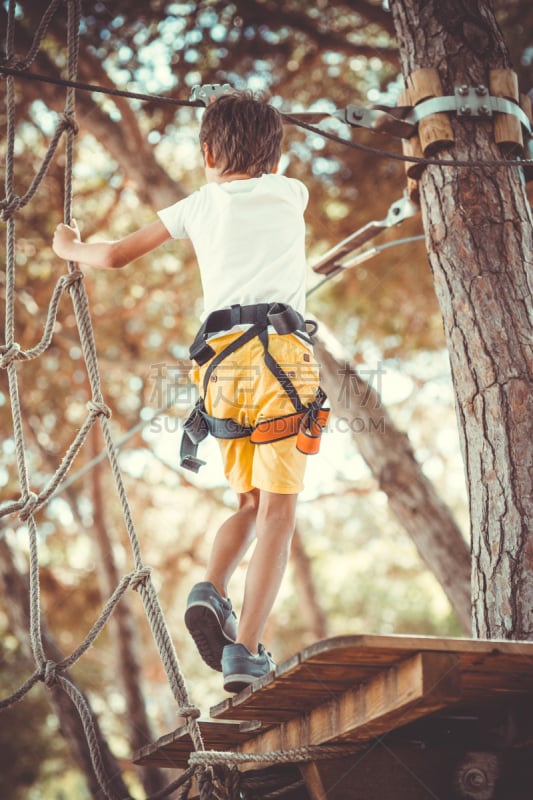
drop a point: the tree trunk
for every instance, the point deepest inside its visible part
(16, 586)
(412, 497)
(479, 239)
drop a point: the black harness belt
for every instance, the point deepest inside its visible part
(307, 421)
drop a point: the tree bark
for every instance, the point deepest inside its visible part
(479, 239)
(412, 497)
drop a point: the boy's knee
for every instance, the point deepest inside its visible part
(249, 501)
(282, 507)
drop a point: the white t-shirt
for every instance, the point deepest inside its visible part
(249, 240)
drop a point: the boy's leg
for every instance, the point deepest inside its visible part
(209, 616)
(274, 530)
(232, 541)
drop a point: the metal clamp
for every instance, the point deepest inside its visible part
(474, 102)
(208, 92)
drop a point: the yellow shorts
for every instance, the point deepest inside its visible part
(243, 388)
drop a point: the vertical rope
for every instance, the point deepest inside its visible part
(20, 449)
(73, 26)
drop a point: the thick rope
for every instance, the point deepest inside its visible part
(84, 712)
(17, 71)
(309, 753)
(15, 203)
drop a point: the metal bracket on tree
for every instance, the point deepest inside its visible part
(402, 121)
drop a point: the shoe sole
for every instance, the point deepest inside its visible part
(204, 627)
(236, 683)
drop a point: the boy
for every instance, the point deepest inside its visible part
(254, 361)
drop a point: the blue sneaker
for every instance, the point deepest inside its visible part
(241, 668)
(211, 621)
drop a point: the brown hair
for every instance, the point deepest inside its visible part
(243, 134)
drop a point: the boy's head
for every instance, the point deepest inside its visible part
(242, 135)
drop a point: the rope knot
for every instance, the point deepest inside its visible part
(189, 712)
(49, 673)
(98, 408)
(13, 61)
(69, 121)
(140, 577)
(29, 505)
(8, 208)
(70, 278)
(9, 353)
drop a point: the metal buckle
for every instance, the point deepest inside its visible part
(192, 463)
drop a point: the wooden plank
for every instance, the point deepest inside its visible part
(382, 649)
(502, 666)
(333, 665)
(396, 696)
(173, 749)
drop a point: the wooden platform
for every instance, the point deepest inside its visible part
(361, 689)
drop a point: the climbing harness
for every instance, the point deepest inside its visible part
(306, 422)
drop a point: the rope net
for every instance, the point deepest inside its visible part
(52, 673)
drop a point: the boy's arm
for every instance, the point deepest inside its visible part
(67, 244)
